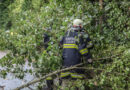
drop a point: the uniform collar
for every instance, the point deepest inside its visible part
(76, 28)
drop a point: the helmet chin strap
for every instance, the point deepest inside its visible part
(77, 26)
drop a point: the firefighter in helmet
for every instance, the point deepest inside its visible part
(76, 46)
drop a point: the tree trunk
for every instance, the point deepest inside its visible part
(101, 17)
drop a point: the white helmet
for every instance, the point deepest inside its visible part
(78, 22)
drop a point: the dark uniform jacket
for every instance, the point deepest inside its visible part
(75, 45)
(46, 39)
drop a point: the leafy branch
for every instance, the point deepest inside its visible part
(58, 71)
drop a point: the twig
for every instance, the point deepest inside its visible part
(106, 57)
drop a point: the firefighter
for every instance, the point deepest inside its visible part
(76, 45)
(46, 41)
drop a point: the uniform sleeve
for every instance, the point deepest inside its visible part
(46, 38)
(86, 45)
(89, 45)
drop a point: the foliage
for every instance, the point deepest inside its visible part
(30, 19)
(4, 21)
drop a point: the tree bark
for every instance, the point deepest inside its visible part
(101, 17)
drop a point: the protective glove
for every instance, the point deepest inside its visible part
(88, 58)
(90, 61)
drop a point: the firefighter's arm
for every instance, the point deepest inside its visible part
(89, 45)
(46, 38)
(82, 47)
(86, 45)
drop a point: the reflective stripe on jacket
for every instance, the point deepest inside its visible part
(70, 46)
(72, 75)
(84, 51)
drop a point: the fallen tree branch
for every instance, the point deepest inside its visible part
(50, 74)
(58, 71)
